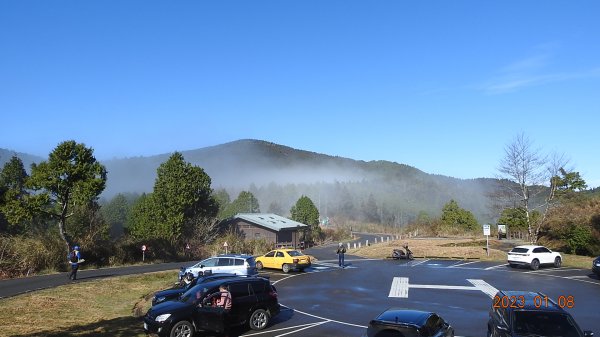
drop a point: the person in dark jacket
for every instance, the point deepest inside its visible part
(74, 260)
(340, 252)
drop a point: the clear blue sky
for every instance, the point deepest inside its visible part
(439, 85)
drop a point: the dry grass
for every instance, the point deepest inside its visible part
(106, 307)
(458, 248)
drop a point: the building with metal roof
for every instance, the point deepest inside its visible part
(274, 228)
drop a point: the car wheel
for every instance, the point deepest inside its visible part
(182, 329)
(259, 319)
(285, 268)
(259, 265)
(557, 262)
(535, 264)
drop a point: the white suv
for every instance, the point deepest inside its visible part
(533, 256)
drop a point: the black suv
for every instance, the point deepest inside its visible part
(524, 313)
(181, 287)
(408, 323)
(254, 302)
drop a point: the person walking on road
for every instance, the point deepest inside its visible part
(74, 259)
(340, 252)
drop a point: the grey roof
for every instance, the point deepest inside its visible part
(270, 220)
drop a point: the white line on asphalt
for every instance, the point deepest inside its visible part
(462, 264)
(326, 319)
(308, 327)
(282, 329)
(418, 263)
(498, 266)
(400, 286)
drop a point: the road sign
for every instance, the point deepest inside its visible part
(225, 245)
(486, 229)
(143, 248)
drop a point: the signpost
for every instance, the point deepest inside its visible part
(144, 252)
(225, 245)
(486, 232)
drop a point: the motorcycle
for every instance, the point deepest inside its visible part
(399, 254)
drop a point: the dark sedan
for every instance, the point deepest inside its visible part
(409, 323)
(181, 287)
(596, 266)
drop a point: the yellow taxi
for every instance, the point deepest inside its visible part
(284, 259)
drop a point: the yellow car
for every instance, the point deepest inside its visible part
(284, 259)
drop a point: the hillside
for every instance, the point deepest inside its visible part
(278, 175)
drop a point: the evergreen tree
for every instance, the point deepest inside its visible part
(455, 217)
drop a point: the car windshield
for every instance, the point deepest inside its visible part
(194, 294)
(533, 323)
(295, 253)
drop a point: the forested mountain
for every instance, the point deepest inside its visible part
(277, 175)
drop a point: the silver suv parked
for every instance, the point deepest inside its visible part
(238, 264)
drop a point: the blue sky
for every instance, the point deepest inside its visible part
(439, 85)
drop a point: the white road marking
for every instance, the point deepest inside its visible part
(418, 263)
(462, 264)
(282, 329)
(307, 327)
(498, 266)
(400, 286)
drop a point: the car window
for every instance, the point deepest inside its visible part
(519, 250)
(208, 262)
(239, 289)
(432, 325)
(279, 254)
(537, 250)
(225, 261)
(270, 254)
(258, 287)
(239, 262)
(295, 253)
(544, 324)
(544, 250)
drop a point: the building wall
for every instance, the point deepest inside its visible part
(252, 231)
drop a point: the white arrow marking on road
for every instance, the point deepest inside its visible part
(400, 287)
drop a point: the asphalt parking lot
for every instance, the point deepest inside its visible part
(329, 301)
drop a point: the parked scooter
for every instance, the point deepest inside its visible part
(399, 254)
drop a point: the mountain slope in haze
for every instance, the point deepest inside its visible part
(278, 175)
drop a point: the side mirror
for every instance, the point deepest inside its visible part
(588, 333)
(502, 327)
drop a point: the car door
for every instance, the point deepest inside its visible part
(547, 254)
(278, 260)
(206, 317)
(541, 255)
(267, 261)
(242, 302)
(225, 265)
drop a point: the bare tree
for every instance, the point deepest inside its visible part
(524, 166)
(526, 172)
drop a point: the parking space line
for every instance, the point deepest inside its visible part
(498, 266)
(326, 319)
(463, 264)
(307, 327)
(418, 263)
(281, 329)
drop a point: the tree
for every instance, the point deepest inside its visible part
(275, 208)
(181, 192)
(13, 194)
(525, 171)
(458, 218)
(71, 176)
(246, 202)
(115, 213)
(304, 211)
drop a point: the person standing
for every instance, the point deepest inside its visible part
(340, 252)
(74, 260)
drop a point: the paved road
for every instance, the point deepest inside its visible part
(22, 285)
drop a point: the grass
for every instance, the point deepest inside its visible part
(458, 248)
(108, 307)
